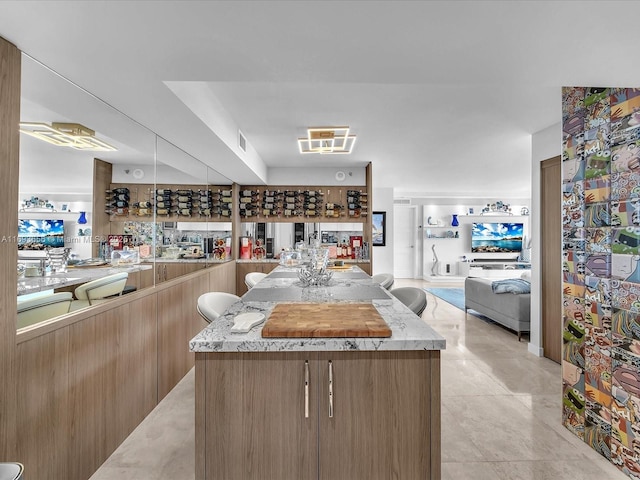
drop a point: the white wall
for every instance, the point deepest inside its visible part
(318, 176)
(441, 209)
(383, 256)
(545, 144)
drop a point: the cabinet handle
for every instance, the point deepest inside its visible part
(164, 270)
(306, 389)
(330, 389)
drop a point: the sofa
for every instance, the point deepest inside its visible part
(508, 309)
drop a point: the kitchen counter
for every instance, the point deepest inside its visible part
(318, 408)
(73, 276)
(151, 261)
(347, 286)
(277, 260)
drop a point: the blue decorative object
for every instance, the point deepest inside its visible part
(454, 221)
(82, 219)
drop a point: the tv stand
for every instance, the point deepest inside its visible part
(492, 268)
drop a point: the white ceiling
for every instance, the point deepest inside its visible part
(443, 95)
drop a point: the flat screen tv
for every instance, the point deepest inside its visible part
(49, 233)
(496, 237)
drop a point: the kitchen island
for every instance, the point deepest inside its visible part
(71, 278)
(308, 408)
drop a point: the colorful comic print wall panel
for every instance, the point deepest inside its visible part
(601, 271)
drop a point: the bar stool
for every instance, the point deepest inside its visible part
(412, 297)
(384, 279)
(43, 308)
(213, 304)
(97, 291)
(251, 278)
(11, 471)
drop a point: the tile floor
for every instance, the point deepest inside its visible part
(500, 414)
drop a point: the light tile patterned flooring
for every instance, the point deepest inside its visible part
(501, 414)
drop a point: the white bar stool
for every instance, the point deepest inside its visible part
(11, 471)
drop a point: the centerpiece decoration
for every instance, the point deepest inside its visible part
(314, 272)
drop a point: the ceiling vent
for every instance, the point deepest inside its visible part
(242, 142)
(402, 201)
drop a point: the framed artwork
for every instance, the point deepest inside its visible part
(379, 221)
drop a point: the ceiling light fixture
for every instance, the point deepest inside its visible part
(327, 140)
(71, 135)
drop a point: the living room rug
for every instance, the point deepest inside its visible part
(454, 296)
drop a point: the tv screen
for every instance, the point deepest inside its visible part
(37, 233)
(496, 237)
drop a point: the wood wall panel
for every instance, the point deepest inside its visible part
(84, 387)
(10, 64)
(102, 172)
(87, 385)
(551, 260)
(43, 413)
(178, 322)
(223, 278)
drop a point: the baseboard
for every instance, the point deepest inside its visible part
(535, 350)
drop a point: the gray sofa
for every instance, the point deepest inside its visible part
(508, 309)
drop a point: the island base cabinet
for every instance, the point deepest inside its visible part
(385, 419)
(250, 417)
(318, 415)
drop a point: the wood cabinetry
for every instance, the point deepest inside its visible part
(170, 270)
(318, 415)
(366, 267)
(89, 378)
(242, 268)
(141, 279)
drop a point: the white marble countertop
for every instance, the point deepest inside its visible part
(74, 276)
(408, 331)
(151, 261)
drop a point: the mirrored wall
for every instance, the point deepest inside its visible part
(101, 195)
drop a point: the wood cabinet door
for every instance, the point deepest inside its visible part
(268, 267)
(386, 411)
(243, 268)
(253, 409)
(174, 270)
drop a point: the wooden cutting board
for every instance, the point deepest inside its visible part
(299, 320)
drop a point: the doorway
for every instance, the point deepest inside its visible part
(551, 257)
(404, 241)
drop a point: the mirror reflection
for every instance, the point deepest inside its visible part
(88, 226)
(269, 240)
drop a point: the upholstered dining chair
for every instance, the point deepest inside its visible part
(43, 308)
(412, 297)
(213, 304)
(384, 279)
(97, 291)
(251, 278)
